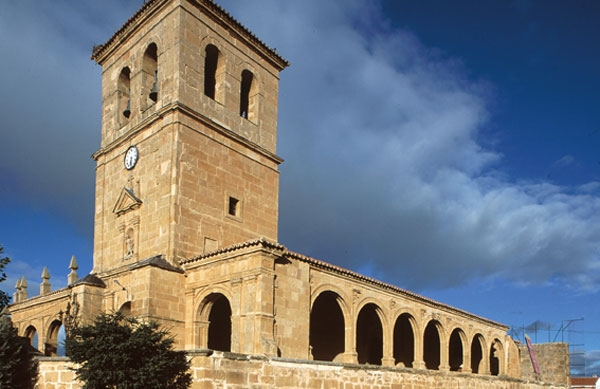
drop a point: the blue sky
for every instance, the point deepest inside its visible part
(446, 147)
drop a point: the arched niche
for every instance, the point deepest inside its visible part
(327, 328)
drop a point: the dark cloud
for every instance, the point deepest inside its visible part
(384, 171)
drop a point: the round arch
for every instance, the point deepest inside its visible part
(478, 352)
(369, 334)
(432, 343)
(215, 322)
(52, 338)
(342, 300)
(456, 349)
(496, 357)
(125, 308)
(31, 333)
(327, 327)
(404, 340)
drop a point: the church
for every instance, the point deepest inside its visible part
(185, 234)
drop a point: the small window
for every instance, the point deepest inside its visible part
(234, 207)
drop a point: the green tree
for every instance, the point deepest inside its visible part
(18, 368)
(4, 297)
(121, 352)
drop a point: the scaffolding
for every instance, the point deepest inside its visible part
(571, 331)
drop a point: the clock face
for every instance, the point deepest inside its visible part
(131, 157)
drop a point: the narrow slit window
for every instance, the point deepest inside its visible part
(234, 206)
(246, 85)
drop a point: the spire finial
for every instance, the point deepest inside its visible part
(73, 264)
(73, 277)
(45, 285)
(23, 290)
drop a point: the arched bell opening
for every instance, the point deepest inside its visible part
(150, 74)
(369, 335)
(327, 328)
(249, 96)
(124, 96)
(404, 341)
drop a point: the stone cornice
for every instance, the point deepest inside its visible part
(282, 251)
(180, 107)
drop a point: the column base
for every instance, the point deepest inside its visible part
(388, 361)
(350, 357)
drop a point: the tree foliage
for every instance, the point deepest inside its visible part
(4, 297)
(121, 352)
(18, 368)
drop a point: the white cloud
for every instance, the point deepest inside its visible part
(384, 166)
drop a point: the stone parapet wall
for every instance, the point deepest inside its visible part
(552, 358)
(56, 373)
(228, 370)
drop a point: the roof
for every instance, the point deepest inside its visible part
(583, 382)
(90, 279)
(156, 261)
(216, 10)
(336, 269)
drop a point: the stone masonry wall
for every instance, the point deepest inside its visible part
(227, 370)
(552, 358)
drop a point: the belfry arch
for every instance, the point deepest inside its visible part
(327, 328)
(404, 340)
(369, 335)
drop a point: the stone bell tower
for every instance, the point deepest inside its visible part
(188, 161)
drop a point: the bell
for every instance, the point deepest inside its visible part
(154, 92)
(127, 110)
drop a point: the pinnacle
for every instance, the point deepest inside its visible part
(45, 274)
(73, 265)
(24, 283)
